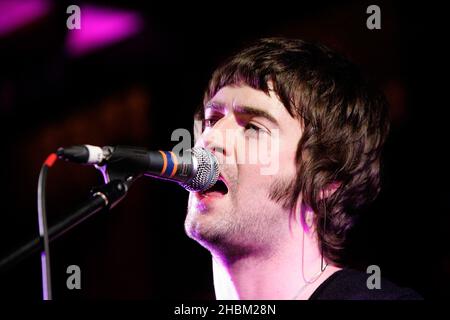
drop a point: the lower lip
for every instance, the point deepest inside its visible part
(204, 198)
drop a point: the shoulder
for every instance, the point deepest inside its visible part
(348, 284)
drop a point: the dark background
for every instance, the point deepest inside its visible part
(139, 90)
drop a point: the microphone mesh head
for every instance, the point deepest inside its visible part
(206, 170)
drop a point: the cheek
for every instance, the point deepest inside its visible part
(287, 153)
(251, 179)
(262, 150)
(276, 157)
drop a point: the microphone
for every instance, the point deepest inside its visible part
(197, 170)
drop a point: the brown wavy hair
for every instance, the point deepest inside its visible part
(344, 121)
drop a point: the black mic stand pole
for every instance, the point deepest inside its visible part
(106, 196)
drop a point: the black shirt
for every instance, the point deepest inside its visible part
(347, 284)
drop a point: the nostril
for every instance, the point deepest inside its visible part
(218, 150)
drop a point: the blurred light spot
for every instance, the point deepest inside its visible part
(16, 14)
(101, 27)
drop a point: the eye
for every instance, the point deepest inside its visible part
(252, 126)
(208, 123)
(253, 129)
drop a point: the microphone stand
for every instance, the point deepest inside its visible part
(117, 183)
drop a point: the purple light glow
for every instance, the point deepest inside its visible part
(101, 27)
(17, 14)
(44, 276)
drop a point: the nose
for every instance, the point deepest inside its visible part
(218, 139)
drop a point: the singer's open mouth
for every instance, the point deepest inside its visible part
(220, 187)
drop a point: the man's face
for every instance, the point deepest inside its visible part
(249, 132)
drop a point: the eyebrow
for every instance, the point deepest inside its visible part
(247, 110)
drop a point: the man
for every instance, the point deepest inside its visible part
(280, 234)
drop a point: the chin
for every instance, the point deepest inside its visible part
(196, 223)
(205, 227)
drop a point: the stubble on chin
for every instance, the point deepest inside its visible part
(234, 234)
(206, 225)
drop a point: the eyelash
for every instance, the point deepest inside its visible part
(253, 126)
(209, 123)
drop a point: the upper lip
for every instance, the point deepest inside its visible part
(223, 179)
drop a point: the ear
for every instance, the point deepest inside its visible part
(306, 216)
(329, 190)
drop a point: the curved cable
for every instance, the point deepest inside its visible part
(43, 230)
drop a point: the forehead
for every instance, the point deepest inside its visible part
(232, 97)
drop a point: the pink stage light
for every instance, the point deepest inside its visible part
(101, 27)
(16, 14)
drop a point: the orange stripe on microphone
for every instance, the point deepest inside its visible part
(165, 162)
(175, 164)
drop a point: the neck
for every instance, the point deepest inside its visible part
(276, 276)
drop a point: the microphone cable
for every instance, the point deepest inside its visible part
(43, 229)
